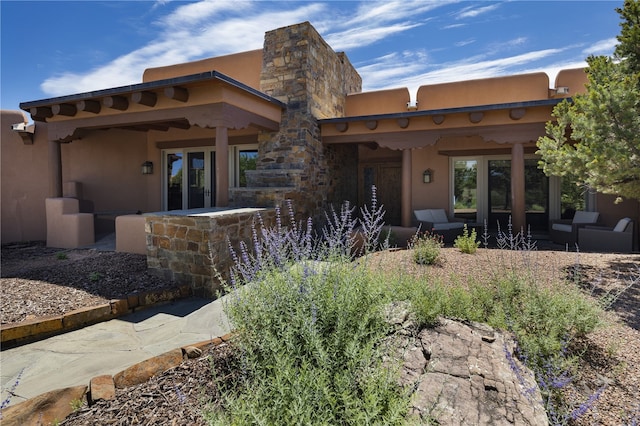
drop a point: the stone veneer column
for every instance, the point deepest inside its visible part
(300, 69)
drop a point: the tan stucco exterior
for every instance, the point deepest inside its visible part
(316, 134)
(244, 67)
(24, 181)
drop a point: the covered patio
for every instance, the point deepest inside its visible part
(205, 109)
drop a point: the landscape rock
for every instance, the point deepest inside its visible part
(144, 370)
(45, 409)
(466, 374)
(192, 352)
(101, 388)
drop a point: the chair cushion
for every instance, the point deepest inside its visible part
(447, 226)
(561, 227)
(423, 215)
(439, 216)
(585, 217)
(431, 215)
(622, 224)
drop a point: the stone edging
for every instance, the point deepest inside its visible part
(54, 406)
(12, 335)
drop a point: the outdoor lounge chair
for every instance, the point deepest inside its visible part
(437, 222)
(565, 231)
(617, 239)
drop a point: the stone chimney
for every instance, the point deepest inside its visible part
(300, 69)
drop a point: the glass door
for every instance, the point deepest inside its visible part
(481, 190)
(173, 178)
(189, 179)
(196, 180)
(499, 192)
(465, 190)
(536, 194)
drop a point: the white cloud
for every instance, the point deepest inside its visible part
(359, 37)
(381, 75)
(212, 27)
(465, 42)
(472, 12)
(602, 47)
(192, 31)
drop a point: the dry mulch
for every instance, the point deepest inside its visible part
(36, 283)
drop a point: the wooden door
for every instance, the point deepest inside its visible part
(387, 178)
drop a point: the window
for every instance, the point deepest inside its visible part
(247, 160)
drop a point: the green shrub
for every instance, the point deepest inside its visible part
(467, 242)
(310, 341)
(426, 248)
(61, 255)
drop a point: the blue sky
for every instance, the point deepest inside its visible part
(56, 48)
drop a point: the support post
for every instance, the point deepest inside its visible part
(405, 209)
(55, 169)
(222, 167)
(518, 212)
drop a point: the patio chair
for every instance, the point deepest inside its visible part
(617, 239)
(436, 221)
(565, 231)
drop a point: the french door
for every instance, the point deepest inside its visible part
(189, 181)
(481, 189)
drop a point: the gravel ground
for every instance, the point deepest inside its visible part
(36, 282)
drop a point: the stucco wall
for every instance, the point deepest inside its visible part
(244, 67)
(108, 165)
(575, 79)
(24, 179)
(518, 88)
(377, 102)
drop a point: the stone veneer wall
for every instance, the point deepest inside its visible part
(185, 247)
(300, 69)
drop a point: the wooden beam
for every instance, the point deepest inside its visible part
(89, 106)
(178, 93)
(145, 98)
(116, 102)
(403, 123)
(517, 113)
(342, 127)
(476, 117)
(40, 113)
(68, 110)
(183, 124)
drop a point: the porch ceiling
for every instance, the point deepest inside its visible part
(501, 123)
(206, 100)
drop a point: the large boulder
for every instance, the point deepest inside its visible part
(464, 373)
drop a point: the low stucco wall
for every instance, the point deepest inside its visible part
(191, 246)
(24, 181)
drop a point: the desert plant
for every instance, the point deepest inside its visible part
(95, 276)
(308, 330)
(305, 356)
(61, 255)
(426, 248)
(468, 241)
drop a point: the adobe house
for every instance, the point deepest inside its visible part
(289, 121)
